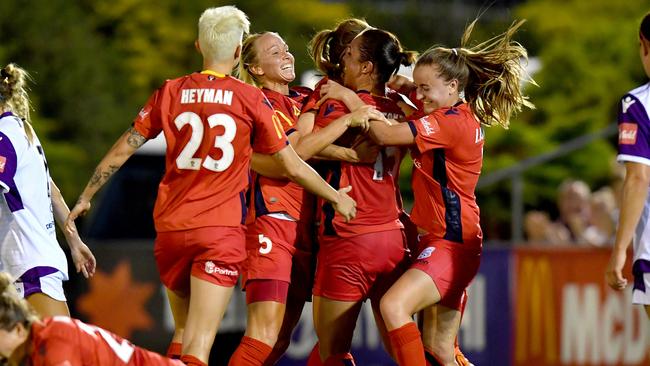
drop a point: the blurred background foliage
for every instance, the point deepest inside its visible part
(95, 62)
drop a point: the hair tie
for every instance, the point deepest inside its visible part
(455, 51)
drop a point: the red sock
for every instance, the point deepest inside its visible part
(314, 357)
(341, 359)
(250, 352)
(192, 361)
(407, 345)
(175, 350)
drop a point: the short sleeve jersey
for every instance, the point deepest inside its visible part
(281, 195)
(63, 341)
(212, 123)
(373, 185)
(309, 104)
(634, 146)
(27, 230)
(447, 160)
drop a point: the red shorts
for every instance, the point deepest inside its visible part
(451, 266)
(360, 267)
(270, 244)
(302, 275)
(213, 254)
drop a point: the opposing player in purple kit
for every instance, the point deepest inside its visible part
(29, 204)
(634, 152)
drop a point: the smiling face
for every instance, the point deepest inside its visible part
(432, 89)
(275, 62)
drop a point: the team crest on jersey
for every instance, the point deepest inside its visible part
(626, 103)
(426, 253)
(3, 162)
(627, 133)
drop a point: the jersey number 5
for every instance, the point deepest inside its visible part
(186, 159)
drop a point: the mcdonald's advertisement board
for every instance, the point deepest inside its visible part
(565, 314)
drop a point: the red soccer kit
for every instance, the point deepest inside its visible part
(273, 232)
(63, 341)
(212, 123)
(447, 161)
(343, 273)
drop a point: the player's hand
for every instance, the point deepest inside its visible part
(80, 209)
(397, 82)
(345, 205)
(614, 272)
(333, 90)
(367, 151)
(362, 116)
(82, 257)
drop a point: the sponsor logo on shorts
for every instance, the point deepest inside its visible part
(426, 253)
(212, 268)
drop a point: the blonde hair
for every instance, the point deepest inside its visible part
(327, 46)
(14, 97)
(220, 32)
(489, 73)
(13, 309)
(249, 58)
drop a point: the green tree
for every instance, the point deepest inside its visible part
(589, 57)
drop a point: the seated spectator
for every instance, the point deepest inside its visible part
(541, 230)
(574, 208)
(602, 222)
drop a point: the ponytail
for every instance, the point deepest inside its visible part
(490, 73)
(14, 97)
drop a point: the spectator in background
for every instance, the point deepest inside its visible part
(574, 208)
(541, 230)
(602, 221)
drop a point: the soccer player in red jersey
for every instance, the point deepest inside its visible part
(60, 340)
(276, 223)
(212, 124)
(447, 159)
(359, 261)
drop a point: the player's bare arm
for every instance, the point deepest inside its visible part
(125, 146)
(390, 133)
(635, 189)
(82, 256)
(300, 172)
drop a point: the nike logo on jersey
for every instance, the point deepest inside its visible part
(627, 103)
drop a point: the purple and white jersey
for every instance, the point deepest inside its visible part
(27, 230)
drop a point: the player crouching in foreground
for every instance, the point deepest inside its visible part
(27, 340)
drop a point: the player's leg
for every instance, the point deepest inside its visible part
(47, 306)
(179, 304)
(208, 303)
(42, 287)
(447, 324)
(334, 324)
(414, 291)
(292, 314)
(266, 306)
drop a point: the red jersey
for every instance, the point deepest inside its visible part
(446, 167)
(210, 122)
(281, 195)
(309, 104)
(62, 341)
(373, 185)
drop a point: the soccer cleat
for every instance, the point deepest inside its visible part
(461, 360)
